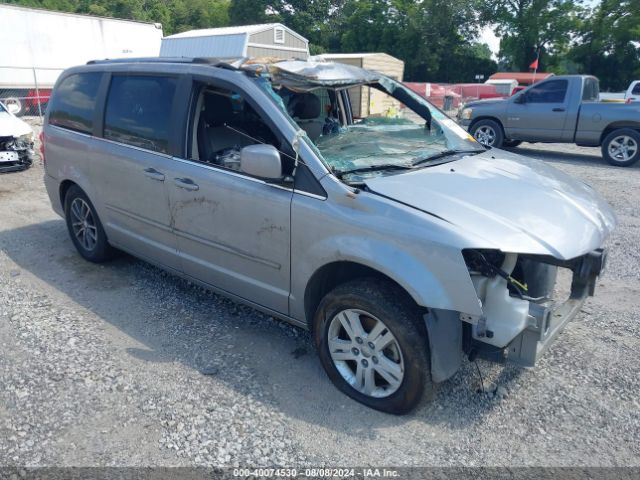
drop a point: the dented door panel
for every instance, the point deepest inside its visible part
(233, 231)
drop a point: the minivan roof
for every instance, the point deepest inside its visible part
(197, 60)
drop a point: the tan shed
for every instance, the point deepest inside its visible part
(365, 100)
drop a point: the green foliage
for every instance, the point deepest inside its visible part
(608, 45)
(175, 15)
(526, 27)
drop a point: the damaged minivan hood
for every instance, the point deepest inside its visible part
(507, 202)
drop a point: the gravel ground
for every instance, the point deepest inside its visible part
(123, 364)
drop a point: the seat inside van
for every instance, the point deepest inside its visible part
(224, 123)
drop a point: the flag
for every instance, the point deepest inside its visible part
(534, 65)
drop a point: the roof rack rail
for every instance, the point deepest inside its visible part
(199, 60)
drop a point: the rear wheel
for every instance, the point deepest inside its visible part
(373, 344)
(488, 133)
(622, 147)
(85, 228)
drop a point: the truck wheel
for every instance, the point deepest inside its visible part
(372, 342)
(511, 143)
(14, 105)
(488, 133)
(621, 147)
(85, 228)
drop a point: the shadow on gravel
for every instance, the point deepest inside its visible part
(172, 320)
(595, 161)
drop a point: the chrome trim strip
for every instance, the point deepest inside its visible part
(226, 248)
(56, 127)
(195, 238)
(133, 147)
(133, 216)
(88, 135)
(311, 195)
(218, 169)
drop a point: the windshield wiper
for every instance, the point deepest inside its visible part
(441, 155)
(372, 168)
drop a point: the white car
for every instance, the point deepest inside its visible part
(16, 142)
(633, 92)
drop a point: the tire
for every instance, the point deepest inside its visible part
(511, 143)
(622, 147)
(89, 238)
(395, 368)
(488, 133)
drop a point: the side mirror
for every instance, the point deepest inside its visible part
(522, 98)
(261, 161)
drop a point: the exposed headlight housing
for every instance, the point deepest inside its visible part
(466, 113)
(24, 141)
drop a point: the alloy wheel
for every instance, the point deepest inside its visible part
(84, 225)
(485, 135)
(365, 353)
(623, 148)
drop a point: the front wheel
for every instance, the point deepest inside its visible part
(511, 143)
(488, 133)
(373, 344)
(622, 147)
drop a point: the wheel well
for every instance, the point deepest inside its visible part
(330, 276)
(617, 126)
(64, 188)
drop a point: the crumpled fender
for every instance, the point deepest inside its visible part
(435, 279)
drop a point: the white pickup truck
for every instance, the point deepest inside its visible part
(633, 92)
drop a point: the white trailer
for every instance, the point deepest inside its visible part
(37, 45)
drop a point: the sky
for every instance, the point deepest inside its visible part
(487, 36)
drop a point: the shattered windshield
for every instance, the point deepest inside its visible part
(364, 123)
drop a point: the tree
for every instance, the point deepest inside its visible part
(175, 15)
(433, 37)
(248, 12)
(530, 27)
(608, 45)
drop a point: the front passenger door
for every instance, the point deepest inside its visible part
(542, 114)
(233, 230)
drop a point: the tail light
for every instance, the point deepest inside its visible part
(41, 137)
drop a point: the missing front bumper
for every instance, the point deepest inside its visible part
(547, 323)
(15, 160)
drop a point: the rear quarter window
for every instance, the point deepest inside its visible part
(74, 101)
(636, 89)
(591, 90)
(138, 111)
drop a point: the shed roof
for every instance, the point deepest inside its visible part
(237, 30)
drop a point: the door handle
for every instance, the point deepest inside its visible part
(153, 174)
(558, 110)
(186, 183)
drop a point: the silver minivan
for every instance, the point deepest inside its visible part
(330, 197)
